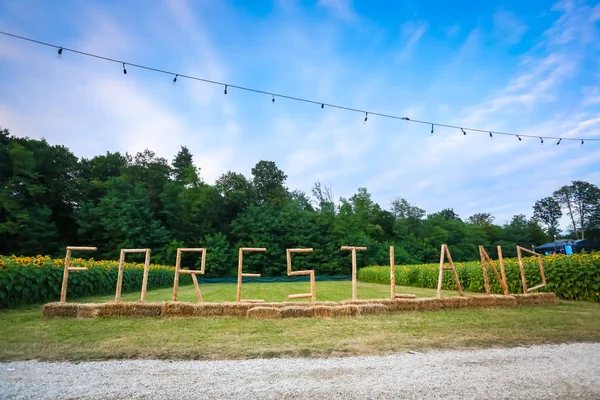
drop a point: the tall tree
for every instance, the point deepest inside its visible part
(481, 219)
(548, 211)
(183, 168)
(269, 182)
(585, 202)
(565, 197)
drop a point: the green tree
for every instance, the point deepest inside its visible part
(548, 211)
(269, 183)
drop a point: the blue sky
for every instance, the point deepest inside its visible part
(516, 66)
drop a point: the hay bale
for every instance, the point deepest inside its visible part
(321, 311)
(129, 310)
(535, 299)
(178, 309)
(208, 310)
(372, 309)
(236, 309)
(492, 300)
(429, 304)
(264, 313)
(295, 312)
(364, 301)
(452, 303)
(87, 310)
(401, 304)
(345, 311)
(52, 310)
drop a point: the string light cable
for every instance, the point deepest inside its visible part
(61, 50)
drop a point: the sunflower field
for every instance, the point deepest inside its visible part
(38, 279)
(575, 277)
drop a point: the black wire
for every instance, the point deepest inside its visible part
(284, 96)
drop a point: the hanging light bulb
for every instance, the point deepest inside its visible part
(322, 105)
(225, 91)
(124, 69)
(541, 141)
(273, 100)
(431, 134)
(518, 137)
(582, 142)
(463, 131)
(557, 143)
(175, 79)
(366, 116)
(60, 51)
(491, 136)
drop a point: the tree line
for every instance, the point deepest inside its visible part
(50, 198)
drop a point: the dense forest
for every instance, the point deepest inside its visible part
(50, 198)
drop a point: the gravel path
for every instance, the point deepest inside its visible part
(538, 372)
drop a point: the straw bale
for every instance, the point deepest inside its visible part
(401, 304)
(137, 309)
(87, 310)
(236, 309)
(372, 309)
(429, 304)
(452, 303)
(344, 311)
(493, 300)
(321, 311)
(364, 301)
(533, 299)
(57, 309)
(295, 312)
(208, 310)
(264, 313)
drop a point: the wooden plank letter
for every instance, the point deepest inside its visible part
(241, 274)
(311, 273)
(63, 290)
(178, 271)
(353, 249)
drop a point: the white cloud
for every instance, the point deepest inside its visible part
(508, 27)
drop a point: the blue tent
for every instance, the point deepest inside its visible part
(561, 246)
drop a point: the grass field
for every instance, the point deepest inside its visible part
(25, 335)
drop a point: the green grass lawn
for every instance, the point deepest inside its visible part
(219, 292)
(24, 334)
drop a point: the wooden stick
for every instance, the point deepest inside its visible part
(405, 296)
(241, 275)
(252, 301)
(459, 286)
(190, 272)
(311, 273)
(501, 261)
(300, 296)
(198, 294)
(392, 274)
(120, 276)
(441, 274)
(541, 264)
(176, 279)
(486, 281)
(536, 287)
(78, 268)
(529, 251)
(354, 294)
(145, 279)
(248, 275)
(63, 290)
(522, 270)
(239, 282)
(134, 250)
(313, 289)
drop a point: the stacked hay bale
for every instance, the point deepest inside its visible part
(535, 299)
(372, 309)
(295, 312)
(492, 300)
(264, 313)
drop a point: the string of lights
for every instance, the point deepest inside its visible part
(125, 64)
